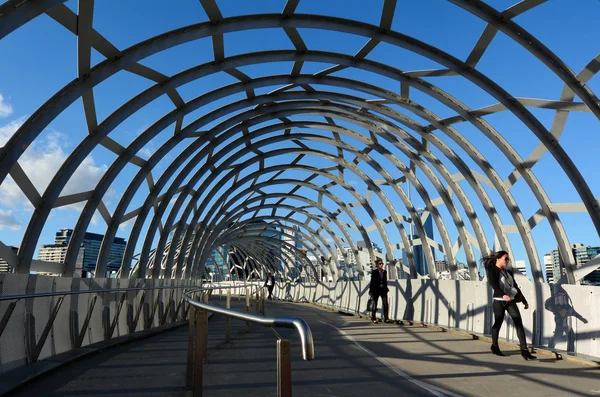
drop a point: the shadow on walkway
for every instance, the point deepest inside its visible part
(353, 358)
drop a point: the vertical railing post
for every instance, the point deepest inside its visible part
(33, 348)
(537, 327)
(247, 309)
(204, 336)
(284, 369)
(6, 316)
(189, 376)
(228, 320)
(257, 302)
(133, 325)
(200, 351)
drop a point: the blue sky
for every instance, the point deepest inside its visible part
(42, 59)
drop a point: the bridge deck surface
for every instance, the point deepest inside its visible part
(353, 358)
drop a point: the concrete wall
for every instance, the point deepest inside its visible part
(30, 316)
(564, 317)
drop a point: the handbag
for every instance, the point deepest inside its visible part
(370, 304)
(519, 298)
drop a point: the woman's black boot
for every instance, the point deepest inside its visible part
(527, 356)
(496, 350)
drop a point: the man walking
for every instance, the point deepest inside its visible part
(270, 284)
(377, 288)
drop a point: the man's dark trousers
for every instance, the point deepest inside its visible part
(384, 300)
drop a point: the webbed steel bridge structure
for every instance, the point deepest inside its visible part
(308, 159)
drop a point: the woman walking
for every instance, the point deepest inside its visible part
(506, 295)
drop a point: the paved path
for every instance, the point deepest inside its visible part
(353, 358)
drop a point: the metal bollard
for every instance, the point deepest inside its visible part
(201, 350)
(284, 369)
(228, 320)
(189, 376)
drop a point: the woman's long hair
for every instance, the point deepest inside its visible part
(490, 259)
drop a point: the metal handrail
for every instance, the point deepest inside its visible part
(96, 291)
(88, 291)
(306, 339)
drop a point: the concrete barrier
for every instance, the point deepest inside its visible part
(562, 318)
(80, 319)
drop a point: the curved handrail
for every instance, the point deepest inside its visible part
(306, 339)
(299, 324)
(87, 291)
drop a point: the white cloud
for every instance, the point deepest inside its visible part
(41, 161)
(127, 224)
(8, 220)
(8, 130)
(146, 152)
(5, 108)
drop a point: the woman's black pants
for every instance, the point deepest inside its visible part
(513, 311)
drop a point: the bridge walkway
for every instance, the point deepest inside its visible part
(353, 358)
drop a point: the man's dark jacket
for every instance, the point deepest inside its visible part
(378, 284)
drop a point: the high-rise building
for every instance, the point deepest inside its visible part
(583, 254)
(350, 264)
(216, 264)
(363, 251)
(418, 252)
(401, 273)
(4, 266)
(557, 270)
(521, 267)
(88, 252)
(442, 266)
(548, 264)
(292, 237)
(53, 253)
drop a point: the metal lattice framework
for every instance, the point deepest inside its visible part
(278, 162)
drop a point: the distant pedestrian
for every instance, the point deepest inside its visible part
(270, 284)
(378, 288)
(506, 295)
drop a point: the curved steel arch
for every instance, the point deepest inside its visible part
(316, 171)
(471, 262)
(329, 215)
(246, 226)
(359, 111)
(23, 136)
(88, 216)
(322, 191)
(309, 215)
(250, 227)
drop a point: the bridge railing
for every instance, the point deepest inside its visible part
(560, 318)
(198, 334)
(41, 318)
(34, 345)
